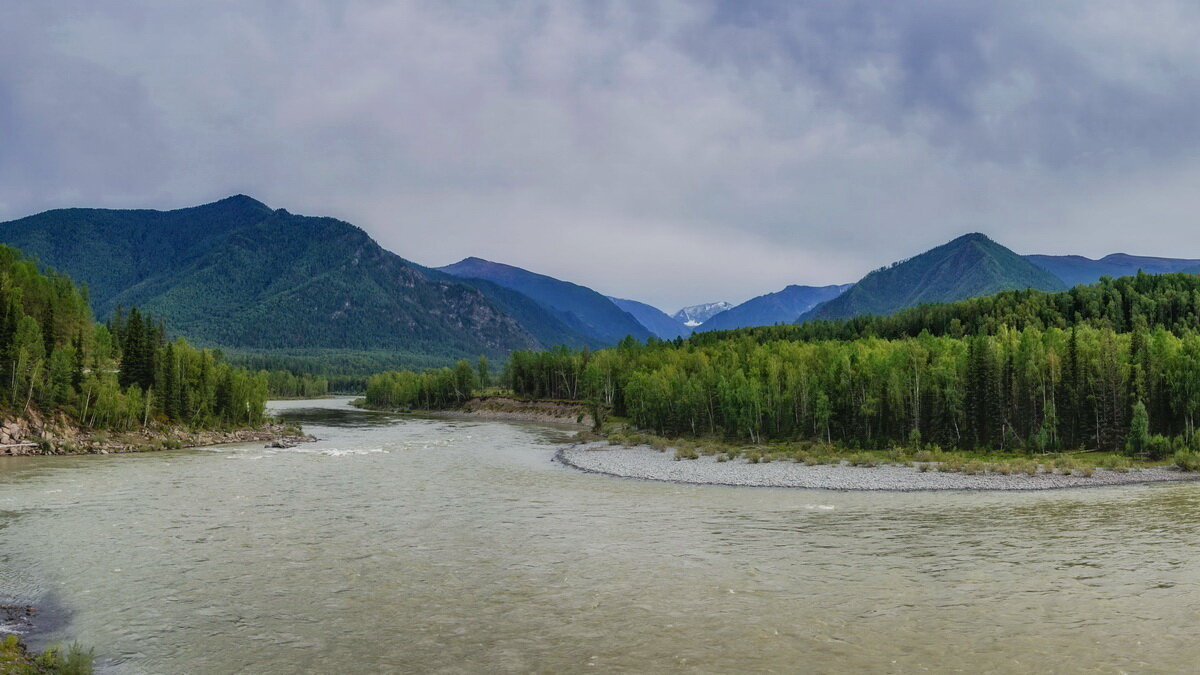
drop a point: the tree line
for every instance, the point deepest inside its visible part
(1112, 366)
(1138, 302)
(1030, 389)
(284, 384)
(122, 375)
(434, 389)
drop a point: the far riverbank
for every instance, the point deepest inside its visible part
(646, 463)
(505, 409)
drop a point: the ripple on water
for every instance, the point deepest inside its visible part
(433, 546)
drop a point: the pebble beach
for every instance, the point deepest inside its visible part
(648, 464)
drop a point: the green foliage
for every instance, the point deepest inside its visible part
(1187, 460)
(1015, 390)
(1128, 304)
(53, 356)
(431, 390)
(15, 659)
(283, 384)
(1139, 430)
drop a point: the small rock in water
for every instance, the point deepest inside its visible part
(280, 443)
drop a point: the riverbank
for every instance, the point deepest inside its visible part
(34, 434)
(505, 409)
(645, 463)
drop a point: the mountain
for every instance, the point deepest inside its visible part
(1076, 269)
(581, 308)
(779, 307)
(697, 314)
(238, 274)
(969, 266)
(654, 319)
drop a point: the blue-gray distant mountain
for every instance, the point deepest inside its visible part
(1074, 270)
(969, 266)
(654, 319)
(697, 314)
(767, 310)
(240, 275)
(581, 308)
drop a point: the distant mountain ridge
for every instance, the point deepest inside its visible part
(969, 266)
(695, 315)
(580, 307)
(654, 319)
(238, 274)
(783, 306)
(1074, 270)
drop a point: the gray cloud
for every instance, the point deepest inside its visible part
(674, 152)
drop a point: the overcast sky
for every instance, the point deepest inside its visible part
(670, 152)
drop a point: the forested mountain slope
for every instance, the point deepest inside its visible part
(779, 307)
(654, 319)
(969, 266)
(237, 274)
(581, 308)
(1125, 304)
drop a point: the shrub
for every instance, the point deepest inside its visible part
(685, 453)
(1159, 447)
(1187, 460)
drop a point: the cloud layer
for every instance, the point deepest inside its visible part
(671, 152)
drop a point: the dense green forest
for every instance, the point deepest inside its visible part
(283, 384)
(430, 390)
(1018, 389)
(116, 376)
(1140, 302)
(1115, 367)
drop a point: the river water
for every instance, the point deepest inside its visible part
(405, 544)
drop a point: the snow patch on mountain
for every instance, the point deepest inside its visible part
(695, 315)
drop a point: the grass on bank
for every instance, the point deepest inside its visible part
(16, 659)
(927, 458)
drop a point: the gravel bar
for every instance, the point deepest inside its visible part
(648, 464)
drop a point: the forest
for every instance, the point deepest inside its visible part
(435, 389)
(1125, 304)
(1113, 367)
(120, 375)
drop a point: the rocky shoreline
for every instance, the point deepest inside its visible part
(645, 463)
(56, 435)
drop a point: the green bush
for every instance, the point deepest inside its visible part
(15, 659)
(685, 453)
(1159, 447)
(1187, 460)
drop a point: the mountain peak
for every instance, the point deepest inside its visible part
(970, 238)
(952, 271)
(773, 308)
(580, 307)
(241, 199)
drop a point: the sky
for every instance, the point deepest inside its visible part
(670, 152)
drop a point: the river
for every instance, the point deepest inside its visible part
(410, 544)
